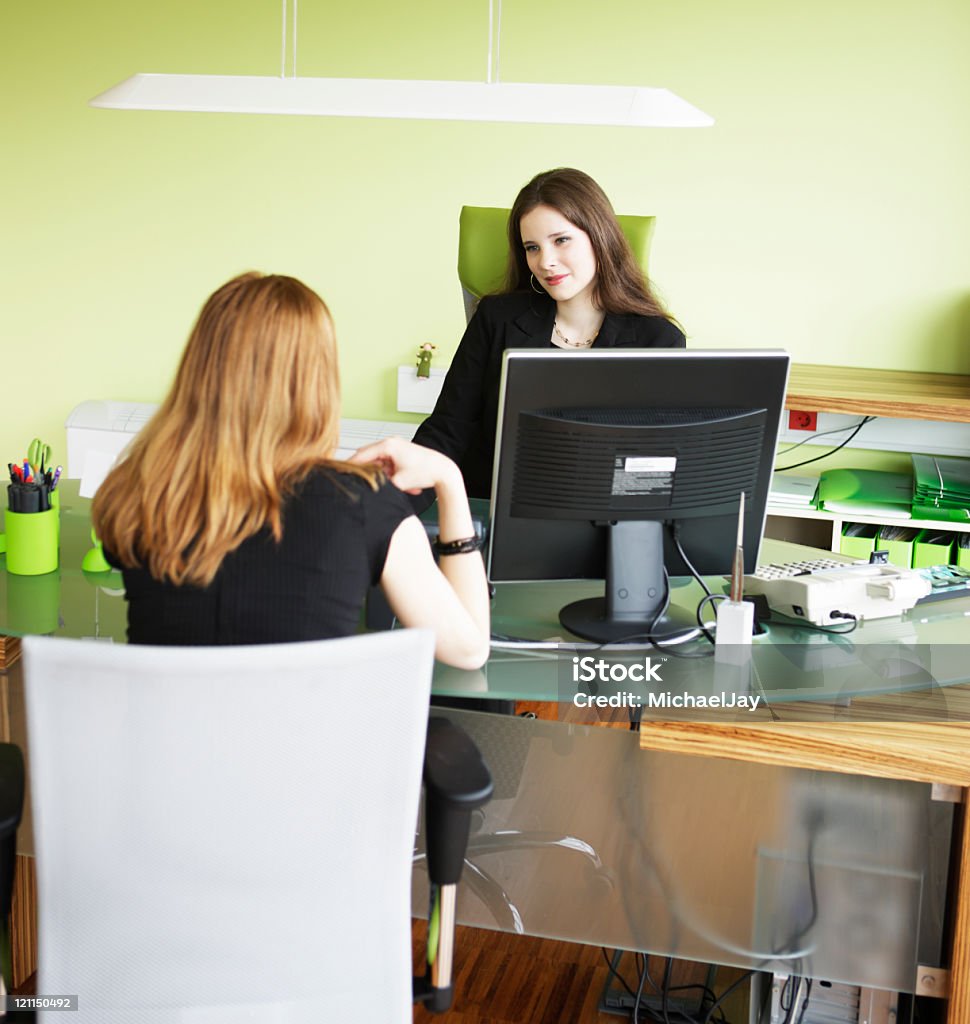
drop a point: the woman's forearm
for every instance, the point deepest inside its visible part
(465, 572)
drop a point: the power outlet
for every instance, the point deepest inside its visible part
(798, 420)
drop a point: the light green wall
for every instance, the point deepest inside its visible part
(827, 212)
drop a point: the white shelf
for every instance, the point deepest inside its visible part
(838, 519)
(851, 517)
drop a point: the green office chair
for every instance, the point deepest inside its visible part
(483, 249)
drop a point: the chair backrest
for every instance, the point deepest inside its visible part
(483, 248)
(226, 834)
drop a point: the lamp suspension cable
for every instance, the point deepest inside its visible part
(283, 44)
(283, 35)
(492, 76)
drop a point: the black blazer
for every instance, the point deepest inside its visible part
(463, 422)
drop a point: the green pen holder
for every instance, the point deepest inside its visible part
(30, 540)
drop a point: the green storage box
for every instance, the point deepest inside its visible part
(961, 550)
(898, 541)
(932, 547)
(858, 540)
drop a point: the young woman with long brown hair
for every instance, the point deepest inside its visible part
(572, 283)
(233, 522)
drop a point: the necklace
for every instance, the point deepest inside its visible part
(572, 344)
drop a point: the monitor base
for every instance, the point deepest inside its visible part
(587, 618)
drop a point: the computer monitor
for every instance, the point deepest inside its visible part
(605, 460)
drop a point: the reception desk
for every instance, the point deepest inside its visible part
(705, 835)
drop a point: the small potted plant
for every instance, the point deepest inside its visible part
(424, 359)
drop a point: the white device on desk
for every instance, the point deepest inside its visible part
(98, 431)
(826, 592)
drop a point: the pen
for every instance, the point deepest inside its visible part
(57, 476)
(737, 570)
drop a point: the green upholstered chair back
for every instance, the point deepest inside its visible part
(483, 248)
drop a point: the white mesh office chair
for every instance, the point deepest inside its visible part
(225, 834)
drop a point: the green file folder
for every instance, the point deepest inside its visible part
(941, 481)
(866, 492)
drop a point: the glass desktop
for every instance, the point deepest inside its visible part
(918, 660)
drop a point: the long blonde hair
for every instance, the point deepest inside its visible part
(254, 408)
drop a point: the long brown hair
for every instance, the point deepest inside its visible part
(620, 286)
(254, 408)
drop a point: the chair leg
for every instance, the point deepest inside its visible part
(434, 988)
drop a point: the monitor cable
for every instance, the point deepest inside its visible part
(708, 596)
(822, 433)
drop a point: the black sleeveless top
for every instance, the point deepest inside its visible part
(309, 586)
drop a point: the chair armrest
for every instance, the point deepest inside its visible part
(11, 807)
(457, 782)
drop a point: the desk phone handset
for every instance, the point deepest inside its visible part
(827, 592)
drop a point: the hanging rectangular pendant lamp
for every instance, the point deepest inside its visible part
(491, 100)
(626, 106)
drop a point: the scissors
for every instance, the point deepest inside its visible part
(39, 454)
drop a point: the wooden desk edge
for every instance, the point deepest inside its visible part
(9, 651)
(914, 751)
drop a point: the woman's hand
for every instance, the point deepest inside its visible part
(410, 467)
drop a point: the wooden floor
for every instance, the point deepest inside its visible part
(518, 979)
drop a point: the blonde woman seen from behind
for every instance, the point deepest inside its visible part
(233, 522)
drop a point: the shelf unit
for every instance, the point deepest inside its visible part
(899, 394)
(792, 524)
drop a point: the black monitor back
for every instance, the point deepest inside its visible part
(702, 425)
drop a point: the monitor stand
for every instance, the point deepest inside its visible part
(635, 591)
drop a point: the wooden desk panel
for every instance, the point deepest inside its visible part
(915, 751)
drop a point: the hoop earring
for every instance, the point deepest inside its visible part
(532, 285)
